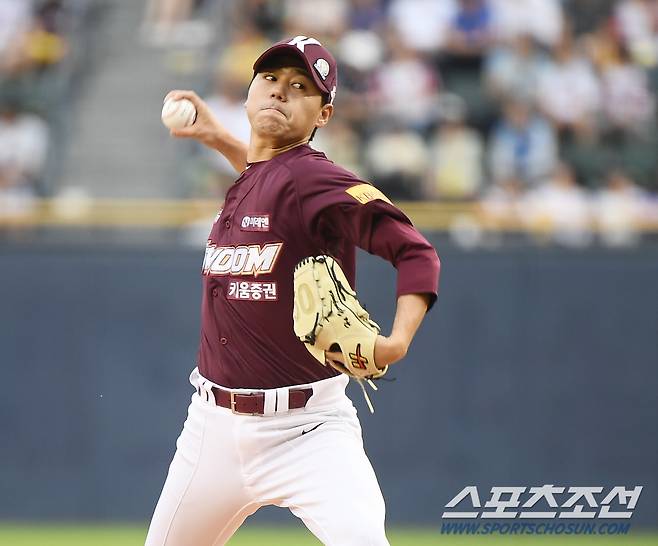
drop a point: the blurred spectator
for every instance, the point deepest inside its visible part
(523, 145)
(512, 71)
(163, 17)
(266, 15)
(342, 145)
(627, 100)
(619, 209)
(361, 50)
(471, 28)
(227, 103)
(15, 18)
(171, 22)
(237, 58)
(569, 92)
(542, 19)
(500, 207)
(55, 15)
(423, 25)
(398, 161)
(367, 15)
(602, 45)
(320, 18)
(588, 156)
(405, 87)
(559, 210)
(23, 148)
(541, 93)
(45, 42)
(39, 68)
(637, 21)
(456, 155)
(39, 45)
(587, 15)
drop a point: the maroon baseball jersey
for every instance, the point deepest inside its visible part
(279, 211)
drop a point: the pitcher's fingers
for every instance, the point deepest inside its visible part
(177, 94)
(190, 95)
(172, 94)
(184, 132)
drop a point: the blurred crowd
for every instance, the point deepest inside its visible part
(541, 110)
(538, 112)
(40, 58)
(176, 23)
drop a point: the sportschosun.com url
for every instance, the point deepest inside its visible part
(517, 528)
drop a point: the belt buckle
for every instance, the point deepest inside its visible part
(235, 411)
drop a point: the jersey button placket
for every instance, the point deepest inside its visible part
(227, 224)
(223, 340)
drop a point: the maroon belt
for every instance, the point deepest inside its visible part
(254, 403)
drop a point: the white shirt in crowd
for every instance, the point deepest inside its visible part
(318, 17)
(234, 119)
(569, 91)
(562, 211)
(23, 144)
(15, 16)
(423, 24)
(542, 19)
(619, 213)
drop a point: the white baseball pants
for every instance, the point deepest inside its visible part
(227, 466)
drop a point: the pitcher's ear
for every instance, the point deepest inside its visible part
(325, 115)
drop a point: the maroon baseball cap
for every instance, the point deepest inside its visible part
(319, 62)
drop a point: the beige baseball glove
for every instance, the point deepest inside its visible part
(328, 317)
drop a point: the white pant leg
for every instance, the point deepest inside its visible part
(204, 499)
(324, 476)
(340, 501)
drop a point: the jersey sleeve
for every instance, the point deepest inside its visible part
(337, 206)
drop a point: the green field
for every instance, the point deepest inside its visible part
(93, 535)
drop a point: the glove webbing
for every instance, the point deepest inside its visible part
(339, 292)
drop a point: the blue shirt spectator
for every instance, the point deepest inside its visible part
(523, 146)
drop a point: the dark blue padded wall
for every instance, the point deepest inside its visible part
(536, 366)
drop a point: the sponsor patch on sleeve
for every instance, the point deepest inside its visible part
(364, 193)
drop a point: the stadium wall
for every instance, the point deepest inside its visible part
(537, 366)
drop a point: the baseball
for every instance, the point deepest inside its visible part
(177, 114)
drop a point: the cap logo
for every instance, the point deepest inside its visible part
(302, 41)
(322, 66)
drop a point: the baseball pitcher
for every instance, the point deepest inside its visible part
(282, 330)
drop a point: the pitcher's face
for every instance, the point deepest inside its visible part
(284, 102)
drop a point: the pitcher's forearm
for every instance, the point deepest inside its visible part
(411, 310)
(410, 313)
(233, 149)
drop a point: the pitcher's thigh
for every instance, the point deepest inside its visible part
(203, 500)
(337, 494)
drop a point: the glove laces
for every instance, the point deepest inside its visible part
(365, 392)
